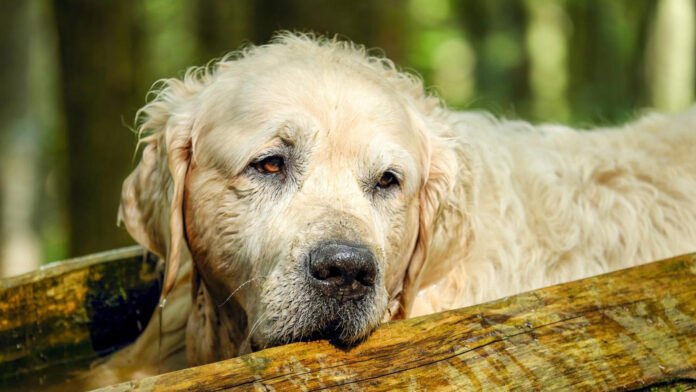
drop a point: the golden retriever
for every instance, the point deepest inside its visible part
(305, 189)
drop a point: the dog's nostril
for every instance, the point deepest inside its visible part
(334, 272)
(366, 278)
(342, 270)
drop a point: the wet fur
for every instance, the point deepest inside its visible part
(491, 208)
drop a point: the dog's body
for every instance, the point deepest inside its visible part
(555, 204)
(463, 208)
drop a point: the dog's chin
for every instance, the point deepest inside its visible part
(330, 332)
(345, 328)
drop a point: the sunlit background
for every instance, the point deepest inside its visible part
(73, 74)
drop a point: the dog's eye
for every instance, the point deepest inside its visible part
(270, 165)
(387, 180)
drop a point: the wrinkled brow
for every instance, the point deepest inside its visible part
(231, 149)
(288, 133)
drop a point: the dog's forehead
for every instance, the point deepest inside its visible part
(347, 112)
(334, 94)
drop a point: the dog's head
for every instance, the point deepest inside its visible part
(304, 176)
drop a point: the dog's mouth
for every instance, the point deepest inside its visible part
(343, 324)
(333, 293)
(331, 332)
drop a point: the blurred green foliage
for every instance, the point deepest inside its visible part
(83, 69)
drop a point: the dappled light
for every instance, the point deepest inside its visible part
(547, 47)
(670, 55)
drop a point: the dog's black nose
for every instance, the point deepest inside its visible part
(342, 270)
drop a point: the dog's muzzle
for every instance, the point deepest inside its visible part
(342, 270)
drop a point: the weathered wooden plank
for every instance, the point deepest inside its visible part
(630, 329)
(69, 313)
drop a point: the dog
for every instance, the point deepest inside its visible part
(306, 189)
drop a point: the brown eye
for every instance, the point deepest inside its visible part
(387, 180)
(270, 165)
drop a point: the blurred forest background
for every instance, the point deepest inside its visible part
(73, 73)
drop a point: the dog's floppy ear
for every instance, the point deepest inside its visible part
(152, 196)
(439, 176)
(144, 199)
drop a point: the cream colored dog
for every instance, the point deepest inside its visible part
(304, 189)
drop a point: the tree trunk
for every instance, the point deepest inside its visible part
(19, 244)
(221, 26)
(98, 44)
(670, 55)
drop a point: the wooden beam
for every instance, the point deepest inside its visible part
(629, 329)
(67, 314)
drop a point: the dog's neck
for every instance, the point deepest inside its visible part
(214, 332)
(484, 204)
(484, 225)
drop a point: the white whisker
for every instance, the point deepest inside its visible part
(258, 322)
(239, 287)
(261, 319)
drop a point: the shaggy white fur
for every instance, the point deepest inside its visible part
(500, 206)
(550, 204)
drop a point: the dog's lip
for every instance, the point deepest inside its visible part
(254, 345)
(331, 332)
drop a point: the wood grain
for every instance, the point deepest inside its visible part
(630, 329)
(67, 314)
